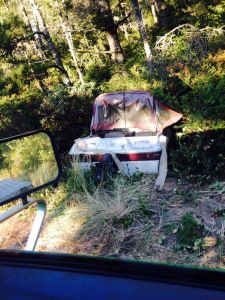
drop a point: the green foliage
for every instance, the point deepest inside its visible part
(207, 99)
(189, 73)
(200, 13)
(200, 153)
(10, 31)
(219, 212)
(79, 181)
(217, 186)
(170, 228)
(129, 82)
(19, 113)
(183, 51)
(30, 158)
(66, 115)
(98, 73)
(189, 233)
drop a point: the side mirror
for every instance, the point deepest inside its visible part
(28, 162)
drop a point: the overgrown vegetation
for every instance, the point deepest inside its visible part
(182, 224)
(41, 86)
(116, 217)
(57, 59)
(130, 219)
(30, 158)
(127, 218)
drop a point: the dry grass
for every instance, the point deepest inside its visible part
(116, 217)
(132, 220)
(127, 218)
(58, 232)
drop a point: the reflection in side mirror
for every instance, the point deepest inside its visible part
(28, 163)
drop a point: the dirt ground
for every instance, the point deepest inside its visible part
(168, 207)
(57, 233)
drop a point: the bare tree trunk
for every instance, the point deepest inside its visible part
(58, 61)
(141, 27)
(159, 7)
(155, 10)
(123, 13)
(111, 28)
(67, 31)
(114, 46)
(37, 44)
(32, 24)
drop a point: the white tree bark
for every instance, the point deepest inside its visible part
(141, 27)
(52, 48)
(32, 24)
(67, 32)
(154, 9)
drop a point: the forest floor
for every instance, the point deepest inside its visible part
(206, 204)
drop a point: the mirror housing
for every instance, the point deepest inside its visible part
(22, 177)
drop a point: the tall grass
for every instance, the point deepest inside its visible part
(115, 215)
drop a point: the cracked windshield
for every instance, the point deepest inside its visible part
(132, 93)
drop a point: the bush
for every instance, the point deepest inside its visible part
(67, 116)
(190, 233)
(199, 154)
(19, 113)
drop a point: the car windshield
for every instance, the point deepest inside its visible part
(147, 77)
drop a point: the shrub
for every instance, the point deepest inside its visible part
(189, 233)
(130, 82)
(199, 153)
(67, 116)
(19, 113)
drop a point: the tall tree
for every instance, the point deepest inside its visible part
(111, 28)
(45, 33)
(124, 14)
(68, 35)
(155, 10)
(32, 25)
(142, 30)
(158, 8)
